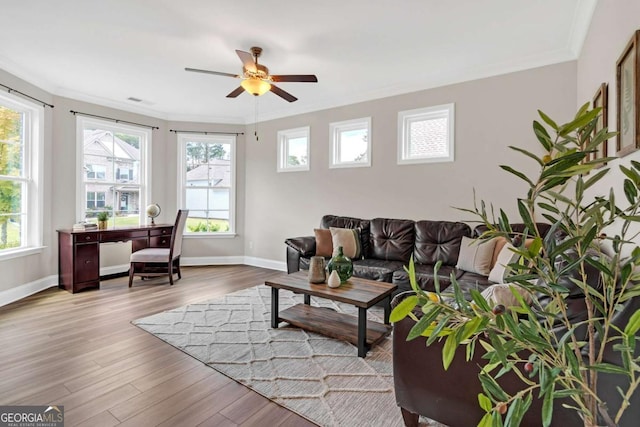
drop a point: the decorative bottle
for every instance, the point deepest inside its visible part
(342, 264)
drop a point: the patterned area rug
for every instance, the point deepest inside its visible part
(318, 377)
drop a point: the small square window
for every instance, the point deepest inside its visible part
(350, 143)
(293, 150)
(426, 135)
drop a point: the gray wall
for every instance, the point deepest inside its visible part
(612, 25)
(490, 115)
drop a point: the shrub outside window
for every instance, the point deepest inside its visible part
(293, 150)
(207, 187)
(426, 135)
(21, 193)
(350, 143)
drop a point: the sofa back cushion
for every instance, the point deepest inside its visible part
(439, 241)
(392, 239)
(328, 221)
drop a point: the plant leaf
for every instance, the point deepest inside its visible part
(403, 309)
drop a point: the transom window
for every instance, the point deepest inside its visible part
(114, 165)
(426, 135)
(293, 150)
(206, 176)
(350, 143)
(21, 142)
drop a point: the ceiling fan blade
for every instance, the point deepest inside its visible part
(217, 73)
(236, 92)
(283, 94)
(247, 60)
(308, 78)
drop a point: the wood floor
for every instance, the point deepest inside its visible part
(81, 351)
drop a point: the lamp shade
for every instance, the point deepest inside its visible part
(255, 86)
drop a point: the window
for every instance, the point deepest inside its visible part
(293, 150)
(21, 144)
(113, 171)
(426, 135)
(350, 143)
(206, 176)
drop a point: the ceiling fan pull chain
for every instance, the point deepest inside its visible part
(255, 129)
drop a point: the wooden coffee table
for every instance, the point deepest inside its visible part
(361, 293)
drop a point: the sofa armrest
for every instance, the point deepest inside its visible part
(305, 246)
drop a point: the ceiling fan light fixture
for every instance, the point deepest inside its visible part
(255, 86)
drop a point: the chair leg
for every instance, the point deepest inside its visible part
(170, 273)
(410, 419)
(131, 268)
(178, 268)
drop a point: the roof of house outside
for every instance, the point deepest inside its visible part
(110, 144)
(217, 173)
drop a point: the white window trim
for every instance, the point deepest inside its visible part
(145, 162)
(283, 140)
(406, 117)
(334, 150)
(182, 140)
(34, 165)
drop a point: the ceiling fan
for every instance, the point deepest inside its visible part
(256, 78)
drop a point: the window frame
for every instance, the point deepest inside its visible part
(405, 118)
(335, 129)
(231, 139)
(283, 137)
(144, 183)
(32, 240)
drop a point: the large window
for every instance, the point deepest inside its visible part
(207, 183)
(113, 171)
(350, 143)
(426, 135)
(21, 142)
(293, 150)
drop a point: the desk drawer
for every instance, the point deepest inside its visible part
(85, 237)
(160, 241)
(161, 231)
(122, 236)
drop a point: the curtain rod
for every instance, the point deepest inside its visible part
(113, 120)
(9, 90)
(201, 132)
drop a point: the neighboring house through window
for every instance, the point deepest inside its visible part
(113, 171)
(21, 192)
(426, 135)
(206, 176)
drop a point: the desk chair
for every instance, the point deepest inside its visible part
(160, 261)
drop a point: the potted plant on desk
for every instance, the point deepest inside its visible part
(103, 220)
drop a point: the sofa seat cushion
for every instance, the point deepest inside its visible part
(392, 239)
(375, 269)
(424, 277)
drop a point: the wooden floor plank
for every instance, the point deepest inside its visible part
(81, 351)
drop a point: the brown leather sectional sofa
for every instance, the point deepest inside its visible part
(422, 386)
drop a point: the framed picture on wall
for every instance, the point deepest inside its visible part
(628, 94)
(600, 100)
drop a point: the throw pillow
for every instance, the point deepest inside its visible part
(349, 239)
(476, 255)
(501, 270)
(324, 243)
(502, 294)
(500, 242)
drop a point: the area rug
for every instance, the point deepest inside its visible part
(320, 378)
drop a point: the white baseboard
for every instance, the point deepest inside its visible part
(23, 291)
(265, 263)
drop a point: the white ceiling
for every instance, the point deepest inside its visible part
(106, 51)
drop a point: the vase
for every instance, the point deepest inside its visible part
(102, 225)
(316, 270)
(342, 264)
(334, 280)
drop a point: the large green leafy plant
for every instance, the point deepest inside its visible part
(554, 357)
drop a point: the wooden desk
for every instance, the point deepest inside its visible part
(79, 251)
